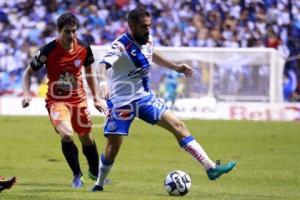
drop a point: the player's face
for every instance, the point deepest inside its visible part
(141, 30)
(68, 33)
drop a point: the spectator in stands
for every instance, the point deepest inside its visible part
(231, 23)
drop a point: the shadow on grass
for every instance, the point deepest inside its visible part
(44, 187)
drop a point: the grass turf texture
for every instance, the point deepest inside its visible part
(267, 154)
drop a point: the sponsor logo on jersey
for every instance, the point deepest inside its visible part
(43, 58)
(66, 82)
(124, 114)
(116, 48)
(139, 73)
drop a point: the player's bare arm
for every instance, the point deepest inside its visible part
(98, 102)
(102, 79)
(26, 86)
(159, 59)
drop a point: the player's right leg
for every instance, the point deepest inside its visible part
(151, 110)
(113, 144)
(60, 117)
(116, 126)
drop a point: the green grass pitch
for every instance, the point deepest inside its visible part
(268, 155)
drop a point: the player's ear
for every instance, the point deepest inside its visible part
(130, 25)
(59, 29)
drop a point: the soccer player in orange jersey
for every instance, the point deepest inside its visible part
(66, 99)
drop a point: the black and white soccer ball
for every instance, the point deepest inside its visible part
(177, 183)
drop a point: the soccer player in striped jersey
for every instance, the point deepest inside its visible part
(128, 96)
(66, 99)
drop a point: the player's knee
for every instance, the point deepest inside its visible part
(64, 129)
(66, 138)
(180, 127)
(66, 132)
(87, 139)
(112, 151)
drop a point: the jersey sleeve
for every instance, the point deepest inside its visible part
(41, 56)
(89, 57)
(113, 54)
(39, 59)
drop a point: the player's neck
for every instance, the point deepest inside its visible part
(68, 46)
(132, 38)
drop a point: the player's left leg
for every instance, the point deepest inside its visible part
(151, 110)
(60, 116)
(82, 124)
(90, 151)
(170, 122)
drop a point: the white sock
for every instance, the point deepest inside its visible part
(104, 169)
(190, 145)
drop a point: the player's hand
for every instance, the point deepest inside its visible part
(103, 90)
(185, 69)
(26, 101)
(100, 105)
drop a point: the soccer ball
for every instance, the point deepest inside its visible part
(177, 183)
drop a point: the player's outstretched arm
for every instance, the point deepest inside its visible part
(159, 59)
(26, 86)
(103, 80)
(91, 81)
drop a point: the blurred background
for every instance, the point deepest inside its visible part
(272, 25)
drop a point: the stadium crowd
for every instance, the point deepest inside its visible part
(27, 24)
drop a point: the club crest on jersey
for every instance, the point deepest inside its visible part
(133, 52)
(77, 62)
(111, 125)
(54, 115)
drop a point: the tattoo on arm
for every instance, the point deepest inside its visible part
(101, 73)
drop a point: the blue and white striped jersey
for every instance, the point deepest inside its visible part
(130, 66)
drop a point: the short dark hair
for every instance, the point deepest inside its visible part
(67, 18)
(135, 14)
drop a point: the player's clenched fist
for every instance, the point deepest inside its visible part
(26, 101)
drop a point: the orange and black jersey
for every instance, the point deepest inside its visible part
(64, 70)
